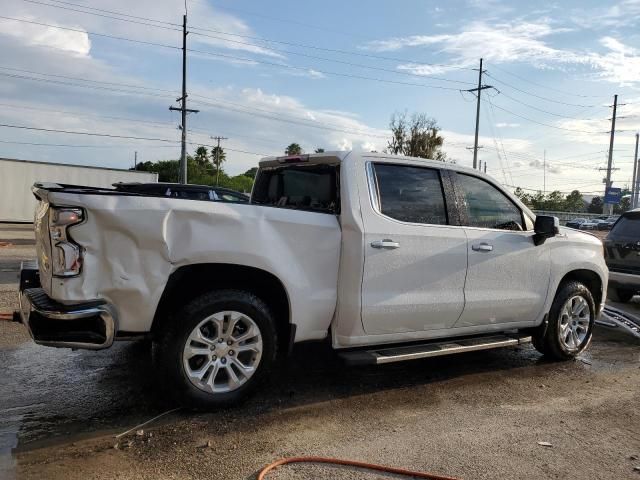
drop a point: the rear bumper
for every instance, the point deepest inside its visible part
(621, 280)
(87, 325)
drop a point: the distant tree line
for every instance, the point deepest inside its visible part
(573, 202)
(204, 168)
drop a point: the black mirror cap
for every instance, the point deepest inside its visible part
(545, 227)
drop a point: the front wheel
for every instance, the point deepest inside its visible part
(217, 348)
(570, 323)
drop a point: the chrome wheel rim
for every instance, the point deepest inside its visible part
(575, 318)
(222, 352)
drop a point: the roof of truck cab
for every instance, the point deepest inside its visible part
(341, 156)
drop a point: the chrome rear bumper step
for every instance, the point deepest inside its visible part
(383, 355)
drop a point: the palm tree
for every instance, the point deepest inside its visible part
(218, 156)
(202, 155)
(293, 149)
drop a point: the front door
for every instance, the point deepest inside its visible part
(415, 263)
(508, 276)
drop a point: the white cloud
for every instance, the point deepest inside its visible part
(76, 43)
(507, 125)
(518, 42)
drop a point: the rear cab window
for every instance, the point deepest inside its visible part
(312, 187)
(410, 194)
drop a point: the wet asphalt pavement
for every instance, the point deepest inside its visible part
(56, 396)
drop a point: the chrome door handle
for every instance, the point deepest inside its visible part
(386, 243)
(482, 247)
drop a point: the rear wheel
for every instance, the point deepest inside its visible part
(620, 295)
(218, 348)
(570, 323)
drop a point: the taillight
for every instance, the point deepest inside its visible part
(66, 255)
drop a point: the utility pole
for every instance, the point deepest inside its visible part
(183, 104)
(485, 166)
(636, 180)
(609, 206)
(135, 160)
(218, 157)
(544, 172)
(478, 90)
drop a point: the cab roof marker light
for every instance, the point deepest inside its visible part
(293, 159)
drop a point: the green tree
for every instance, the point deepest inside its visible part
(417, 136)
(596, 205)
(319, 150)
(293, 149)
(202, 155)
(574, 202)
(251, 173)
(218, 156)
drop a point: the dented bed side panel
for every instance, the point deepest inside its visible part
(133, 244)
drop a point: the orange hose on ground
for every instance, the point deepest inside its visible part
(7, 317)
(351, 463)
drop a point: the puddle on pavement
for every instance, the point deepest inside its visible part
(51, 395)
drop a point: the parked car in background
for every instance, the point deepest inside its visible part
(607, 223)
(389, 258)
(622, 254)
(581, 224)
(179, 190)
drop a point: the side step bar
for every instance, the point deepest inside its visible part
(382, 355)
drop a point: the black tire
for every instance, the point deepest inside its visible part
(547, 340)
(622, 295)
(169, 346)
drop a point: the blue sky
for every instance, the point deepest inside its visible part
(332, 78)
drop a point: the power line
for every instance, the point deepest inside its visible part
(106, 16)
(251, 110)
(546, 124)
(540, 96)
(37, 144)
(343, 62)
(109, 135)
(542, 110)
(128, 85)
(78, 30)
(546, 86)
(244, 59)
(222, 32)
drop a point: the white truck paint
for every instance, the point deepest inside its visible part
(17, 203)
(360, 276)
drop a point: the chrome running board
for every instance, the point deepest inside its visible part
(383, 355)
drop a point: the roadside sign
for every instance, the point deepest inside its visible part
(613, 195)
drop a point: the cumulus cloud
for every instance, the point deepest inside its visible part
(76, 43)
(518, 41)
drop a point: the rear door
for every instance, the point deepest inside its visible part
(415, 261)
(508, 276)
(622, 245)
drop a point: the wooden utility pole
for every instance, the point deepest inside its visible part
(636, 180)
(183, 105)
(609, 206)
(218, 157)
(478, 90)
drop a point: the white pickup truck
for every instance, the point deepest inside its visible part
(391, 258)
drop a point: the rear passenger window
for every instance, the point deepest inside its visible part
(411, 194)
(488, 207)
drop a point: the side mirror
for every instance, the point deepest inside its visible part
(545, 227)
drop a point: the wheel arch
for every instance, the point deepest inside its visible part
(590, 279)
(190, 281)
